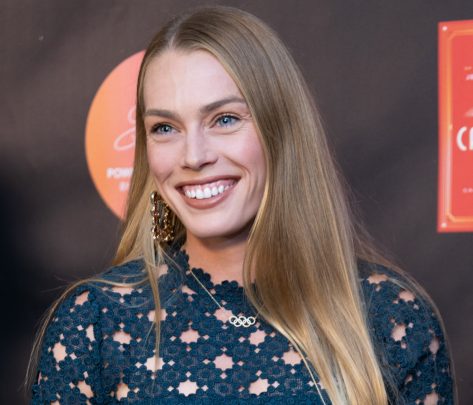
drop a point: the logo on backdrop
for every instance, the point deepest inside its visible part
(455, 203)
(110, 134)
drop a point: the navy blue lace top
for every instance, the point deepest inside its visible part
(99, 346)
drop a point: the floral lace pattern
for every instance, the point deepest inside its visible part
(99, 346)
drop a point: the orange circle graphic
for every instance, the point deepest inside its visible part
(110, 134)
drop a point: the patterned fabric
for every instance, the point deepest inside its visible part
(99, 346)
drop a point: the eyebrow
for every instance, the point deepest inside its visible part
(203, 110)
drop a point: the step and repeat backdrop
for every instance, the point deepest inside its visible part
(394, 83)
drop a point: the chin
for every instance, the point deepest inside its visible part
(221, 231)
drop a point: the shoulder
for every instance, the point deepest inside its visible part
(116, 300)
(396, 305)
(128, 272)
(75, 334)
(122, 289)
(82, 303)
(407, 332)
(86, 297)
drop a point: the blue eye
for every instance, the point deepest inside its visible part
(161, 129)
(227, 120)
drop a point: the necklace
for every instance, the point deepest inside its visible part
(247, 321)
(237, 321)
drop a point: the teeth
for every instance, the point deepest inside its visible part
(209, 191)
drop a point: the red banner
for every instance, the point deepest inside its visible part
(455, 198)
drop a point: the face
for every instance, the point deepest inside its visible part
(202, 146)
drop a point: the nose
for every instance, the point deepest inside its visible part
(198, 150)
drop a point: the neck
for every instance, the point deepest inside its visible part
(222, 258)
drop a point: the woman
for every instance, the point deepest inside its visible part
(255, 277)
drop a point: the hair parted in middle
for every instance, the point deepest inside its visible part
(303, 246)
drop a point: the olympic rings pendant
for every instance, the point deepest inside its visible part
(242, 321)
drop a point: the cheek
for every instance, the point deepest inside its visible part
(254, 158)
(160, 162)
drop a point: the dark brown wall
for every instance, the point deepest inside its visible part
(372, 66)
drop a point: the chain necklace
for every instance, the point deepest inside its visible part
(237, 321)
(247, 321)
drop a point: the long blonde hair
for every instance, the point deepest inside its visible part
(304, 243)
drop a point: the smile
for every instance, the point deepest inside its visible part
(208, 190)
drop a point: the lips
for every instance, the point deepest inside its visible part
(207, 190)
(206, 193)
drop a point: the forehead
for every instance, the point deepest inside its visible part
(186, 78)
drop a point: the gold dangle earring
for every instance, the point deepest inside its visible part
(163, 219)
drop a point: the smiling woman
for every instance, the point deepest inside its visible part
(203, 149)
(257, 279)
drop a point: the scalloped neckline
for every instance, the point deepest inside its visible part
(205, 278)
(203, 275)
